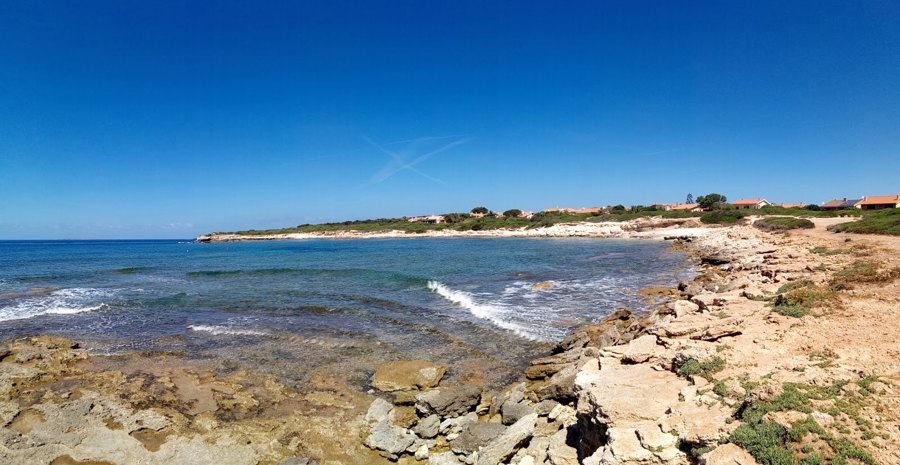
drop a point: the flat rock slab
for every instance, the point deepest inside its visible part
(407, 375)
(627, 394)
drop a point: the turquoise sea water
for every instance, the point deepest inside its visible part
(326, 303)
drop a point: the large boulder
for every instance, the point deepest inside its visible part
(476, 435)
(505, 445)
(407, 375)
(448, 401)
(641, 349)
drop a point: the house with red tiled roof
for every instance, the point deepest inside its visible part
(840, 204)
(683, 207)
(877, 202)
(754, 204)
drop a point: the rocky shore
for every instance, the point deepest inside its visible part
(783, 348)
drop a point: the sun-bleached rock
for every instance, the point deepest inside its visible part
(407, 375)
(728, 454)
(641, 349)
(505, 445)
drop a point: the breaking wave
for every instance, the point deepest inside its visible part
(217, 330)
(56, 302)
(490, 312)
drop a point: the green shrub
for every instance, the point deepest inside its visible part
(724, 216)
(705, 369)
(783, 223)
(885, 221)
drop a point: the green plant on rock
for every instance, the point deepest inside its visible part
(704, 369)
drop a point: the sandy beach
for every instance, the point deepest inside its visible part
(672, 387)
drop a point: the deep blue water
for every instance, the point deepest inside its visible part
(325, 302)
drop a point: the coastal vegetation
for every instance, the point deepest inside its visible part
(783, 223)
(885, 221)
(482, 219)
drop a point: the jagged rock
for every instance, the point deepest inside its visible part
(449, 401)
(513, 411)
(393, 440)
(296, 461)
(475, 435)
(421, 452)
(690, 289)
(379, 410)
(505, 445)
(683, 308)
(545, 367)
(455, 425)
(544, 407)
(428, 427)
(443, 458)
(564, 415)
(560, 386)
(728, 454)
(537, 448)
(559, 451)
(407, 375)
(704, 301)
(641, 349)
(607, 332)
(404, 416)
(542, 286)
(715, 332)
(623, 447)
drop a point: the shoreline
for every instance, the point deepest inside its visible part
(640, 228)
(613, 392)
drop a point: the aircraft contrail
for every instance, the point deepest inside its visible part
(398, 162)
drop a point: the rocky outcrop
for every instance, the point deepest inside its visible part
(407, 375)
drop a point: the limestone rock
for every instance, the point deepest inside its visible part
(513, 411)
(449, 401)
(475, 435)
(608, 332)
(641, 349)
(627, 393)
(728, 454)
(683, 308)
(559, 451)
(560, 386)
(428, 427)
(407, 375)
(505, 445)
(542, 286)
(443, 458)
(389, 438)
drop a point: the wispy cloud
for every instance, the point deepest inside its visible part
(406, 159)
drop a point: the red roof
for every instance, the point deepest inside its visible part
(749, 201)
(881, 200)
(686, 206)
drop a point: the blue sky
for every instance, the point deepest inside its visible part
(127, 119)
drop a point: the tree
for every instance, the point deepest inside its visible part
(689, 199)
(708, 200)
(480, 210)
(618, 208)
(512, 213)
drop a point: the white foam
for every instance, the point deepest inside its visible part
(60, 302)
(217, 330)
(491, 312)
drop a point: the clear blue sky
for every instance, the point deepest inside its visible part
(156, 119)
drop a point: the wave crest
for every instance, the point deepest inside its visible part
(490, 312)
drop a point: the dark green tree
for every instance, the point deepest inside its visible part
(512, 213)
(708, 200)
(481, 210)
(689, 199)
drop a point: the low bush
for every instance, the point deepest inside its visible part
(885, 221)
(783, 223)
(724, 216)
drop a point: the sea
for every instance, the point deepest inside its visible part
(292, 309)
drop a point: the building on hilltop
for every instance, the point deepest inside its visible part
(840, 204)
(878, 202)
(751, 204)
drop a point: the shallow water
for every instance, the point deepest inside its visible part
(290, 308)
